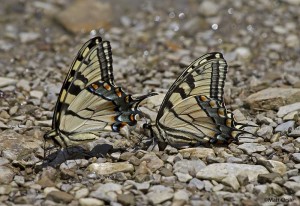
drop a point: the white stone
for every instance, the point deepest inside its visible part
(36, 94)
(219, 171)
(6, 81)
(90, 202)
(110, 168)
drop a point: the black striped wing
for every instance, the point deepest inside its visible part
(193, 109)
(205, 76)
(89, 102)
(92, 63)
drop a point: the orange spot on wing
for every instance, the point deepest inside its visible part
(212, 103)
(221, 112)
(228, 122)
(118, 92)
(95, 86)
(132, 117)
(107, 86)
(123, 124)
(203, 98)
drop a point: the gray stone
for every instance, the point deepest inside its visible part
(219, 171)
(183, 177)
(188, 166)
(126, 199)
(293, 172)
(285, 127)
(4, 81)
(234, 160)
(295, 132)
(250, 148)
(296, 157)
(208, 8)
(81, 193)
(36, 94)
(107, 192)
(265, 131)
(6, 175)
(284, 110)
(90, 202)
(152, 161)
(291, 116)
(277, 190)
(243, 52)
(231, 181)
(293, 186)
(5, 189)
(243, 179)
(295, 178)
(267, 178)
(196, 183)
(166, 172)
(144, 186)
(262, 189)
(273, 98)
(207, 185)
(181, 195)
(19, 180)
(26, 37)
(159, 194)
(3, 161)
(3, 126)
(289, 148)
(110, 168)
(60, 197)
(24, 84)
(274, 166)
(265, 120)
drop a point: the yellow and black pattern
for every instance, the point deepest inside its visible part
(193, 110)
(89, 102)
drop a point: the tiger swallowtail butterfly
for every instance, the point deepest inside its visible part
(193, 110)
(89, 101)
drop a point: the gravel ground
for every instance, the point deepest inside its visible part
(152, 42)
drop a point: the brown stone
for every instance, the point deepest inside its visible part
(84, 16)
(273, 98)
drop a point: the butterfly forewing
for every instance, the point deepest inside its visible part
(84, 70)
(205, 76)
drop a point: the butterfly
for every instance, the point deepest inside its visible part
(89, 102)
(193, 110)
